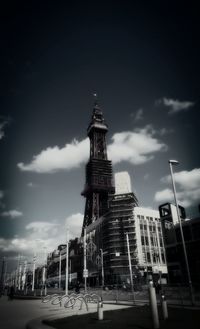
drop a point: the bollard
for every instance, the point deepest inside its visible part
(153, 305)
(164, 307)
(100, 309)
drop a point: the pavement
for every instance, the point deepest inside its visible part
(132, 317)
(21, 314)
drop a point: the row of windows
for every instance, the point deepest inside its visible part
(152, 228)
(155, 257)
(154, 242)
(148, 218)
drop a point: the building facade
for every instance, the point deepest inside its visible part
(174, 247)
(151, 256)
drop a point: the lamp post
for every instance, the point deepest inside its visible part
(130, 267)
(45, 272)
(33, 280)
(171, 163)
(85, 272)
(60, 260)
(67, 264)
(102, 268)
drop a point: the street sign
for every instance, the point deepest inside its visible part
(85, 273)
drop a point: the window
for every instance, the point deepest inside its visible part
(142, 240)
(138, 216)
(163, 258)
(148, 257)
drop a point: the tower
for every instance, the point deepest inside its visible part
(99, 180)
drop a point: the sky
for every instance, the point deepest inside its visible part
(142, 59)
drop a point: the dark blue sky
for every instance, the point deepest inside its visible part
(142, 58)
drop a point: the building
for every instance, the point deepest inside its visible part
(174, 248)
(122, 183)
(117, 223)
(149, 240)
(112, 223)
(113, 219)
(56, 262)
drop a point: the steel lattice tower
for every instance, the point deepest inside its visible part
(99, 179)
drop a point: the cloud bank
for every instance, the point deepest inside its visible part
(188, 188)
(12, 213)
(136, 147)
(55, 159)
(174, 105)
(43, 236)
(74, 225)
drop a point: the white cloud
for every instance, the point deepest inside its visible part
(165, 195)
(54, 159)
(136, 147)
(138, 115)
(42, 229)
(40, 236)
(188, 188)
(43, 236)
(74, 224)
(175, 105)
(12, 213)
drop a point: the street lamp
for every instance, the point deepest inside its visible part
(171, 163)
(67, 263)
(33, 279)
(60, 262)
(102, 268)
(130, 266)
(45, 272)
(85, 271)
